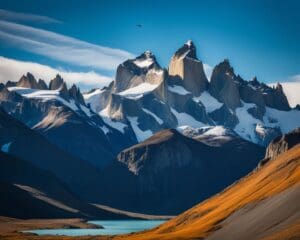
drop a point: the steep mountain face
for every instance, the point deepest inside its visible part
(61, 115)
(263, 205)
(185, 67)
(172, 172)
(145, 99)
(29, 192)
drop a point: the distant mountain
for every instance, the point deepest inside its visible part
(60, 114)
(146, 98)
(169, 172)
(263, 205)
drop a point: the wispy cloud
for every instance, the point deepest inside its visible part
(60, 47)
(11, 69)
(291, 88)
(26, 17)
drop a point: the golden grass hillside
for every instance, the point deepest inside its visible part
(201, 221)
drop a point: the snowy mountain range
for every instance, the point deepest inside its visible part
(146, 98)
(149, 127)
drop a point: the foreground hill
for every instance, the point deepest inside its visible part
(263, 205)
(169, 172)
(29, 192)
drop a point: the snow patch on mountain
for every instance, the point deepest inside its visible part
(140, 134)
(210, 103)
(159, 120)
(114, 124)
(45, 95)
(178, 89)
(186, 119)
(91, 95)
(138, 91)
(286, 120)
(247, 123)
(216, 131)
(143, 63)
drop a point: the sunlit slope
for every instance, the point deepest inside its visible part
(274, 189)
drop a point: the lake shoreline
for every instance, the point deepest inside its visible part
(15, 229)
(11, 228)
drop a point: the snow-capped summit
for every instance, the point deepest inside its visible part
(146, 98)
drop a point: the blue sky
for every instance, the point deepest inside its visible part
(259, 37)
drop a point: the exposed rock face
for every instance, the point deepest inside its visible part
(223, 87)
(185, 97)
(75, 93)
(172, 171)
(136, 71)
(283, 143)
(11, 84)
(28, 81)
(42, 84)
(277, 99)
(186, 67)
(56, 83)
(248, 92)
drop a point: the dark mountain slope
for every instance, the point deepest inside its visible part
(169, 172)
(17, 139)
(263, 205)
(29, 192)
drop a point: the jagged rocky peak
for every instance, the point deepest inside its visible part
(42, 84)
(223, 86)
(28, 81)
(187, 50)
(56, 83)
(75, 93)
(185, 66)
(134, 72)
(276, 98)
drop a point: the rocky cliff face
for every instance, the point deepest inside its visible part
(283, 143)
(29, 81)
(186, 68)
(223, 87)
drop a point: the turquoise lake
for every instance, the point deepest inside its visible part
(111, 227)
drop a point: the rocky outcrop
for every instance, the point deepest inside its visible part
(42, 85)
(186, 67)
(75, 93)
(56, 83)
(248, 92)
(133, 72)
(275, 98)
(283, 143)
(28, 81)
(223, 87)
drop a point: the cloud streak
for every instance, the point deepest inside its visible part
(26, 17)
(60, 47)
(11, 69)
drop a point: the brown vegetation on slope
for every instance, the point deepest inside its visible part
(205, 219)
